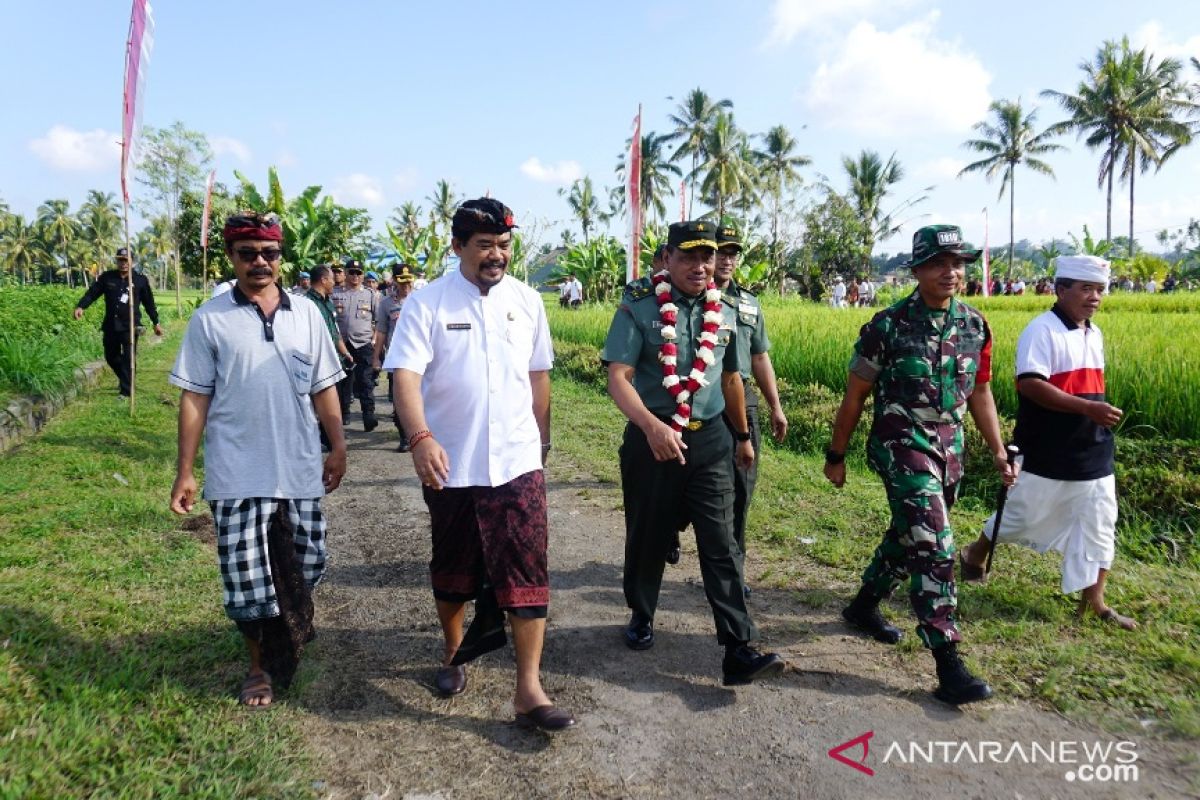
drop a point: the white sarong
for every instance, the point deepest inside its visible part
(1076, 518)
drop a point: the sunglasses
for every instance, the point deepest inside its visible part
(249, 254)
(354, 272)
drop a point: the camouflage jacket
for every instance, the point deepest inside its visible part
(924, 364)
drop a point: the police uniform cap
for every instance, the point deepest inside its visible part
(402, 273)
(691, 234)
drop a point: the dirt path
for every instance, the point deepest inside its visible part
(651, 724)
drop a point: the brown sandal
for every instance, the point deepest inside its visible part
(257, 688)
(969, 573)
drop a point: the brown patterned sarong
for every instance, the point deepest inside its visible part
(491, 534)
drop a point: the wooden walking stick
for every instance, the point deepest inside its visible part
(1001, 498)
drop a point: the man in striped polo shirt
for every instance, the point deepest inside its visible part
(1065, 498)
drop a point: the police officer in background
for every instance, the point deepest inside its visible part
(672, 371)
(386, 315)
(753, 359)
(356, 306)
(113, 284)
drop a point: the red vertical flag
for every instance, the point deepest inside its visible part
(682, 202)
(137, 55)
(633, 197)
(207, 209)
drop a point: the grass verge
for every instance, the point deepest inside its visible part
(1019, 630)
(117, 665)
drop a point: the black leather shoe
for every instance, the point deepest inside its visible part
(639, 634)
(863, 614)
(956, 684)
(370, 424)
(674, 552)
(746, 591)
(450, 681)
(744, 664)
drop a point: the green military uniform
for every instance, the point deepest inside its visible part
(658, 494)
(924, 363)
(751, 341)
(328, 312)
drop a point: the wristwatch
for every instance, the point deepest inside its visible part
(833, 457)
(741, 436)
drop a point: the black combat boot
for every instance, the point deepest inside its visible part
(956, 684)
(743, 664)
(863, 614)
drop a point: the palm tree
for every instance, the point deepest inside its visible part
(726, 173)
(777, 162)
(584, 204)
(442, 204)
(22, 249)
(692, 120)
(655, 180)
(1008, 141)
(870, 181)
(1152, 131)
(101, 224)
(1129, 106)
(54, 218)
(407, 217)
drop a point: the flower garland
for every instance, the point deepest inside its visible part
(685, 390)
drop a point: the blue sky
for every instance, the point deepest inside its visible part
(376, 101)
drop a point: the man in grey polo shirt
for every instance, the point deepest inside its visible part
(258, 368)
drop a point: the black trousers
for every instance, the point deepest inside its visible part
(392, 397)
(656, 494)
(359, 384)
(117, 354)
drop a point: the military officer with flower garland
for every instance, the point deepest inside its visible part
(672, 371)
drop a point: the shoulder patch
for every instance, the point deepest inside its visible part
(639, 289)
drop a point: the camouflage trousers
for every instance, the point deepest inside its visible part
(919, 546)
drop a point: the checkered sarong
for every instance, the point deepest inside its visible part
(244, 558)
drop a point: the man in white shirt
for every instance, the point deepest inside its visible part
(574, 290)
(839, 292)
(866, 292)
(472, 355)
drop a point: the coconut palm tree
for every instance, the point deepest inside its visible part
(584, 204)
(871, 179)
(100, 224)
(726, 171)
(656, 174)
(1153, 129)
(442, 204)
(57, 224)
(1007, 141)
(692, 120)
(407, 217)
(22, 248)
(777, 164)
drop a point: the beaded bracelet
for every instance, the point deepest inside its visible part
(418, 437)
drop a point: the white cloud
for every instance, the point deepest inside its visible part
(1154, 38)
(901, 82)
(563, 172)
(227, 145)
(358, 189)
(67, 149)
(939, 169)
(407, 179)
(789, 18)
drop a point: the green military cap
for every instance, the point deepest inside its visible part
(729, 236)
(933, 240)
(690, 234)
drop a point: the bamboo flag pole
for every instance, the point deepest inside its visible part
(137, 51)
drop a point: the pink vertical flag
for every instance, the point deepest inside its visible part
(633, 196)
(207, 209)
(987, 272)
(137, 56)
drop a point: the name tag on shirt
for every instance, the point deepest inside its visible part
(458, 326)
(747, 309)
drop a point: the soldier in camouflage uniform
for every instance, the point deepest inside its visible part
(677, 460)
(927, 359)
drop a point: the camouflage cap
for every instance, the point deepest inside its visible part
(692, 233)
(935, 239)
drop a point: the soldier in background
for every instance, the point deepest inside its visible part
(927, 359)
